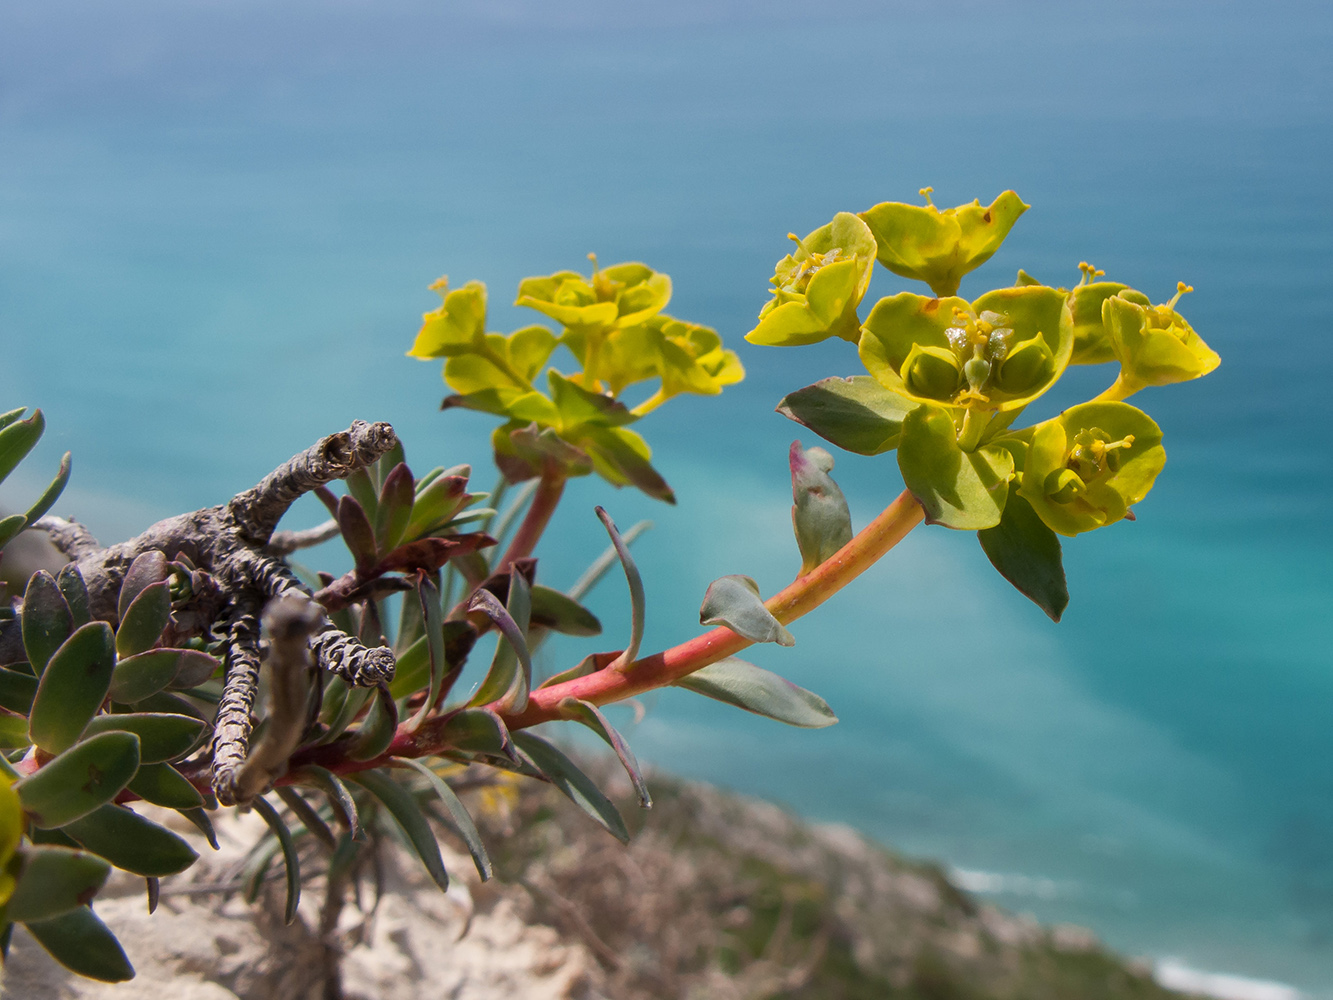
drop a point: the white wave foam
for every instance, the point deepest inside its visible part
(990, 883)
(1176, 975)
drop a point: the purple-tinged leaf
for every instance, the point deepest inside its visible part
(819, 513)
(138, 677)
(395, 508)
(505, 683)
(357, 532)
(428, 596)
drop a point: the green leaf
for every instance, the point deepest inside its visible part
(163, 785)
(307, 814)
(13, 732)
(377, 728)
(341, 799)
(199, 817)
(83, 778)
(435, 505)
(958, 489)
(479, 730)
(760, 691)
(17, 439)
(591, 716)
(819, 513)
(10, 527)
(131, 842)
(16, 693)
(637, 600)
(10, 416)
(405, 811)
(554, 610)
(395, 508)
(73, 687)
(734, 601)
(52, 492)
(47, 620)
(458, 814)
(162, 736)
(70, 582)
(562, 772)
(147, 569)
(80, 942)
(857, 414)
(143, 621)
(364, 490)
(54, 880)
(621, 458)
(428, 595)
(289, 857)
(138, 677)
(1027, 554)
(504, 682)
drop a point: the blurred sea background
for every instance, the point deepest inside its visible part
(218, 222)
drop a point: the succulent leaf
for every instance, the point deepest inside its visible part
(734, 602)
(760, 691)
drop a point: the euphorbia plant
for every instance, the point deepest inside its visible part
(131, 674)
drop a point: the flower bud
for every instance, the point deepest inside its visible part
(1027, 368)
(932, 372)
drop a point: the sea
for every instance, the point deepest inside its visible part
(218, 222)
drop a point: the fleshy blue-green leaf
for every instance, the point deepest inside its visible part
(80, 942)
(478, 730)
(560, 613)
(70, 582)
(131, 842)
(17, 439)
(147, 569)
(591, 716)
(292, 862)
(163, 785)
(307, 814)
(332, 786)
(193, 668)
(377, 728)
(17, 691)
(357, 533)
(199, 817)
(143, 621)
(162, 736)
(637, 602)
(958, 489)
(72, 687)
(734, 601)
(83, 778)
(760, 691)
(143, 675)
(857, 414)
(52, 492)
(47, 620)
(1027, 554)
(404, 809)
(54, 880)
(581, 790)
(13, 732)
(428, 596)
(458, 814)
(504, 681)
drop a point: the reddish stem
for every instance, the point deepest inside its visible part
(544, 501)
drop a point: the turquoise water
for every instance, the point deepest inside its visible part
(217, 223)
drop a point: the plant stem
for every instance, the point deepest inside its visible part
(544, 502)
(1121, 388)
(803, 595)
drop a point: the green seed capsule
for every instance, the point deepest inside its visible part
(976, 371)
(1027, 367)
(1063, 485)
(931, 372)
